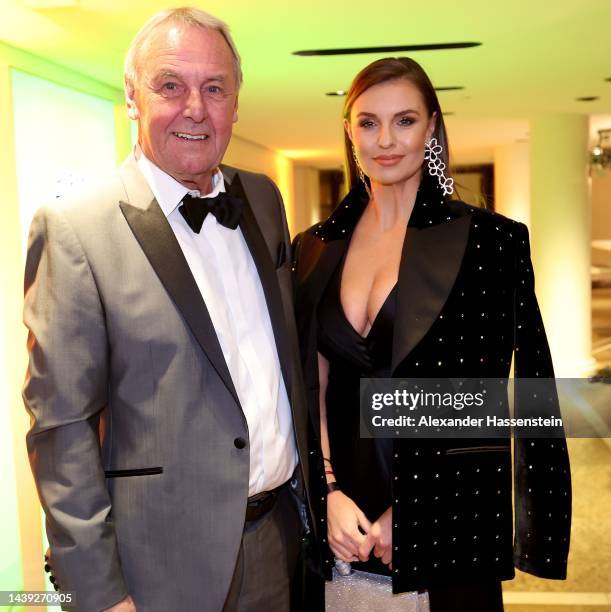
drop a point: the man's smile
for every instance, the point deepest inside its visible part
(186, 136)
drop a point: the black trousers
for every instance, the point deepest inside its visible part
(267, 560)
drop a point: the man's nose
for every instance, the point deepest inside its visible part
(195, 107)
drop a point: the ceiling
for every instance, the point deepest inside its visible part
(536, 57)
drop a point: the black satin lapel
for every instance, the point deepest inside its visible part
(322, 259)
(155, 236)
(430, 262)
(316, 278)
(269, 279)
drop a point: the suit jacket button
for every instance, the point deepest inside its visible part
(239, 443)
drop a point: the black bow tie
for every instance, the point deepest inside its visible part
(226, 208)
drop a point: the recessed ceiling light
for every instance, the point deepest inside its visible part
(586, 98)
(388, 49)
(608, 79)
(341, 92)
(447, 113)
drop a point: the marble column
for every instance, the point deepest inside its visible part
(512, 181)
(560, 237)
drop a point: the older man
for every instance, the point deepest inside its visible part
(163, 385)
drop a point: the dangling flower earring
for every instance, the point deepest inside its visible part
(360, 171)
(432, 153)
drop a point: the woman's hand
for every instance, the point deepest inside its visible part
(343, 521)
(380, 539)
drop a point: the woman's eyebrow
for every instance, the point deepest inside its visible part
(403, 112)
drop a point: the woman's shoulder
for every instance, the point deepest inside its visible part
(305, 248)
(305, 237)
(487, 219)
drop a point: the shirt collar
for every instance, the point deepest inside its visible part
(167, 190)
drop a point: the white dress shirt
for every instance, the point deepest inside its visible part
(227, 277)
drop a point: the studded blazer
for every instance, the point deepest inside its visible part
(465, 305)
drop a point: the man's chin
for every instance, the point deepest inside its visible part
(194, 177)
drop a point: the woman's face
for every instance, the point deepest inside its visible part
(389, 124)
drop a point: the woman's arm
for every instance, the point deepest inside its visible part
(344, 517)
(323, 377)
(541, 466)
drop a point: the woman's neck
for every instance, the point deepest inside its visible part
(392, 204)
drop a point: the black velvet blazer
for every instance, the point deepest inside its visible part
(465, 305)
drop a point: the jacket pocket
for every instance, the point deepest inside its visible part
(135, 472)
(478, 449)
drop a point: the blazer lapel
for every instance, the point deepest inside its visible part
(318, 270)
(156, 238)
(322, 259)
(430, 261)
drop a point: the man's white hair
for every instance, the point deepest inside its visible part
(187, 15)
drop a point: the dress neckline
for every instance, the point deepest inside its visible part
(340, 270)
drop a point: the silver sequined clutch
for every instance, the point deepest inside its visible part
(356, 591)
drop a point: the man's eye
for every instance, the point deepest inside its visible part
(170, 86)
(214, 89)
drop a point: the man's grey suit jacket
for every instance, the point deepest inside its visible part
(134, 442)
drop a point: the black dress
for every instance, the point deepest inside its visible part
(361, 465)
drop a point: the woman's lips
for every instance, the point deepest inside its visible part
(388, 160)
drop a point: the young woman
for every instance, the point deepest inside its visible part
(402, 281)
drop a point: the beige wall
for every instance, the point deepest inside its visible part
(307, 197)
(251, 156)
(248, 155)
(298, 184)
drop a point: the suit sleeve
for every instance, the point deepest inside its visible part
(64, 391)
(541, 465)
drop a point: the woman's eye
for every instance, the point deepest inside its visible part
(366, 124)
(405, 121)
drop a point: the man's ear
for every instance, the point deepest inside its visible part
(235, 110)
(130, 99)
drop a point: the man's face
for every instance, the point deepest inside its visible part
(185, 100)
